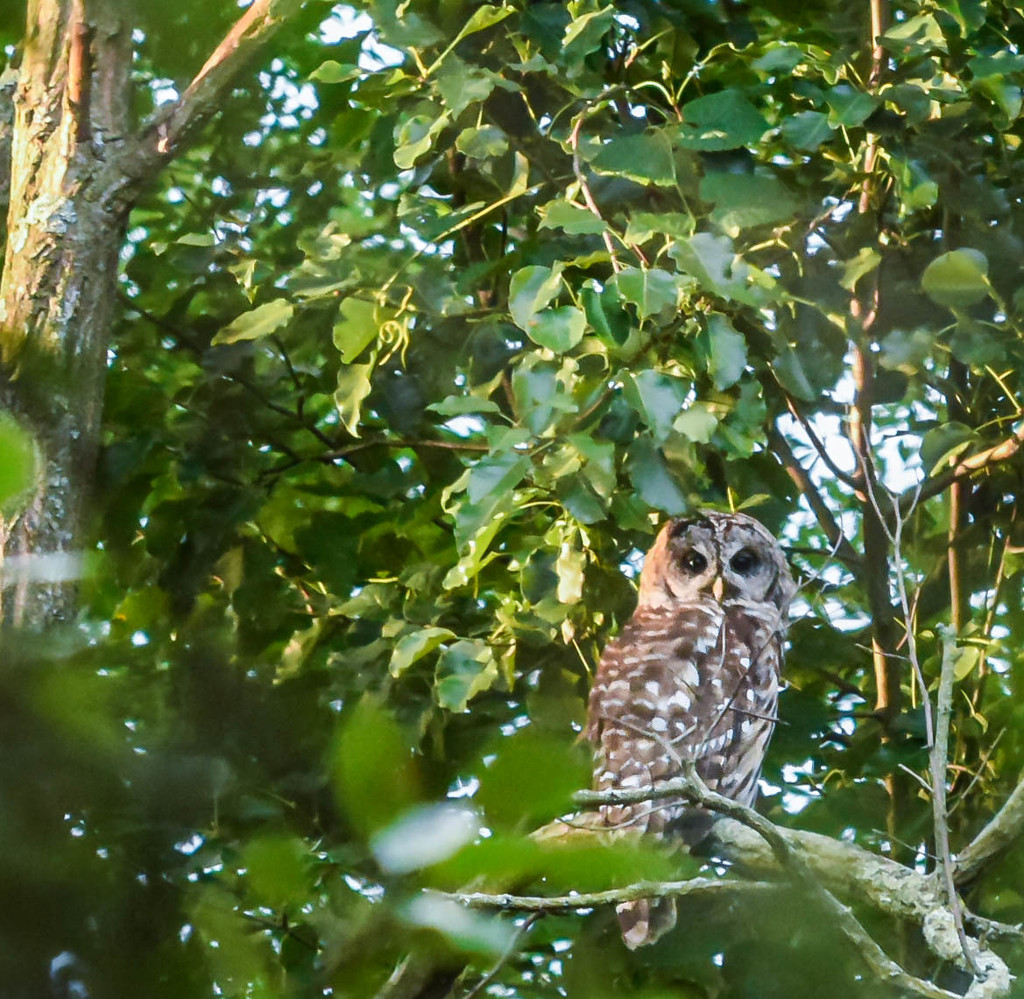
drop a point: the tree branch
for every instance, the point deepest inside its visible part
(938, 762)
(966, 467)
(825, 865)
(844, 551)
(1005, 828)
(161, 140)
(613, 896)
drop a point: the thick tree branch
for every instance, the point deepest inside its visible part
(162, 138)
(824, 865)
(1005, 829)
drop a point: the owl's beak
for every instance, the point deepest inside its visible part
(718, 588)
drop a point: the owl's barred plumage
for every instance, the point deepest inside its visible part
(694, 676)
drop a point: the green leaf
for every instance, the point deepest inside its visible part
(957, 279)
(357, 326)
(464, 670)
(579, 498)
(483, 17)
(372, 768)
(19, 465)
(849, 107)
(261, 321)
(643, 225)
(331, 71)
(482, 143)
(599, 463)
(650, 290)
(558, 329)
(560, 214)
(458, 405)
(807, 130)
(414, 646)
(717, 268)
(728, 352)
(586, 32)
(414, 136)
(745, 200)
(651, 478)
(277, 869)
(569, 567)
(944, 443)
(521, 788)
(530, 290)
(866, 261)
(916, 36)
(697, 423)
(916, 188)
(604, 312)
(353, 388)
(726, 120)
(657, 397)
(646, 158)
(461, 85)
(496, 474)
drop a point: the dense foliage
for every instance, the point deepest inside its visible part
(419, 343)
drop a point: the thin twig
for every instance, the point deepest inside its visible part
(512, 947)
(818, 444)
(588, 197)
(938, 762)
(844, 551)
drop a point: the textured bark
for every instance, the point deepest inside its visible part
(71, 165)
(66, 217)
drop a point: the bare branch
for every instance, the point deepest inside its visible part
(163, 138)
(938, 762)
(844, 551)
(818, 444)
(613, 896)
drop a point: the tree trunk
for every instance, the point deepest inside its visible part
(71, 165)
(65, 224)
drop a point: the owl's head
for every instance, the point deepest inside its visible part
(716, 556)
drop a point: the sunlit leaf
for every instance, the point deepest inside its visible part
(259, 322)
(726, 120)
(957, 279)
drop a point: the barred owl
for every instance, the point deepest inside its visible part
(694, 675)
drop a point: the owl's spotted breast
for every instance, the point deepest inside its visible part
(694, 676)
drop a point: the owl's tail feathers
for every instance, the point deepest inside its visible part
(646, 921)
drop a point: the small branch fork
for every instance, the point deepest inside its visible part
(811, 860)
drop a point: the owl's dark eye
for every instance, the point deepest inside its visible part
(744, 562)
(693, 561)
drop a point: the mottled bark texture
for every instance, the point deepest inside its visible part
(72, 162)
(65, 222)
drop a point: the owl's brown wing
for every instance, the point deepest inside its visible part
(700, 683)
